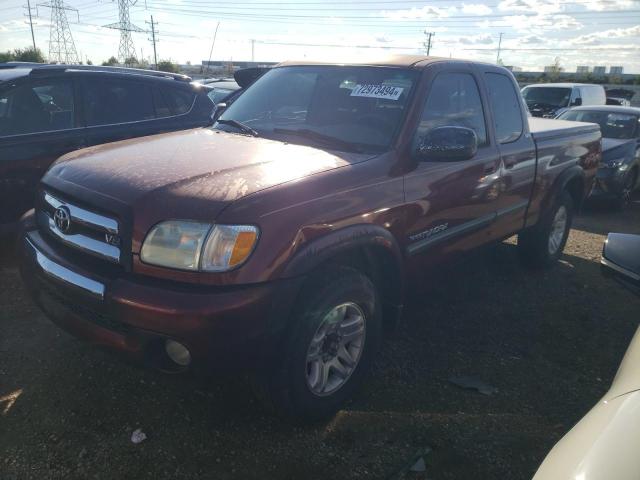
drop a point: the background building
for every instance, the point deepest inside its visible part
(583, 69)
(616, 70)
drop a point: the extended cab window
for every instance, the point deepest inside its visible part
(454, 100)
(41, 107)
(341, 107)
(506, 106)
(117, 101)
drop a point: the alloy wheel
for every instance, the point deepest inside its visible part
(335, 349)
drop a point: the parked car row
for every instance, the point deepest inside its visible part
(49, 110)
(618, 175)
(282, 238)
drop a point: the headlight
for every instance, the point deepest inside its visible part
(228, 246)
(187, 245)
(618, 163)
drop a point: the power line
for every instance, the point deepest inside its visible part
(386, 18)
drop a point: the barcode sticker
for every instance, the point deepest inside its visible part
(377, 91)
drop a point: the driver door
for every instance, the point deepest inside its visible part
(452, 203)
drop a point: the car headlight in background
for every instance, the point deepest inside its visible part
(618, 163)
(188, 245)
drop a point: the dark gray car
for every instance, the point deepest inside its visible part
(618, 174)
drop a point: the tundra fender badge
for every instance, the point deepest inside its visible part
(428, 233)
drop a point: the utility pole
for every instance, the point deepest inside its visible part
(154, 32)
(62, 48)
(499, 48)
(33, 38)
(253, 47)
(427, 44)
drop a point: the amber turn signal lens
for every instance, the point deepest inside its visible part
(243, 247)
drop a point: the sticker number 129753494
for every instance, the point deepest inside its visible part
(377, 91)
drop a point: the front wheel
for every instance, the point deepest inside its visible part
(543, 244)
(333, 337)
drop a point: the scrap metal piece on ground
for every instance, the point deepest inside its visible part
(473, 383)
(415, 464)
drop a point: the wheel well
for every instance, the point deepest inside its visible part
(380, 265)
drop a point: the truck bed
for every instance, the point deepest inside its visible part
(547, 128)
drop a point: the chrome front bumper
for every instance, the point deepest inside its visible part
(63, 274)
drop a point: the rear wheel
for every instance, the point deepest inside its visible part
(334, 335)
(542, 245)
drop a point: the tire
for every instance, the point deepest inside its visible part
(542, 245)
(291, 388)
(624, 199)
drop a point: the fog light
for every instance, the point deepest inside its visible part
(177, 352)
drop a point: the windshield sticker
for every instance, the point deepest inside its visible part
(377, 91)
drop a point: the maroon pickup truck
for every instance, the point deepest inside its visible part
(282, 238)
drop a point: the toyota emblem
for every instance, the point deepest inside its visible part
(62, 219)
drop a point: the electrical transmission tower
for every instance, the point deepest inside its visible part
(62, 49)
(126, 50)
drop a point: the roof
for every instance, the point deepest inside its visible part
(564, 85)
(13, 70)
(13, 73)
(390, 61)
(610, 109)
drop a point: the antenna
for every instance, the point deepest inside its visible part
(126, 50)
(62, 49)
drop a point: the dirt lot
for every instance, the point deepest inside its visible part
(550, 342)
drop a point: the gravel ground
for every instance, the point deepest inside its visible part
(549, 342)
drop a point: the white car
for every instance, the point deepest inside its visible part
(605, 444)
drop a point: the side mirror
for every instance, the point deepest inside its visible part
(621, 260)
(217, 111)
(447, 144)
(577, 102)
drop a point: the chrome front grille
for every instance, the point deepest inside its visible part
(76, 227)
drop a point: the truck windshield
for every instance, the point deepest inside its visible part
(338, 107)
(547, 96)
(612, 124)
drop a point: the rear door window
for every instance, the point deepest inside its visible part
(42, 106)
(112, 101)
(506, 106)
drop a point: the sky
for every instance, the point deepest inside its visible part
(534, 32)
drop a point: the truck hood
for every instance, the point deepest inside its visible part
(192, 173)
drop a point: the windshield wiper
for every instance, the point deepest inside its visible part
(240, 126)
(327, 140)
